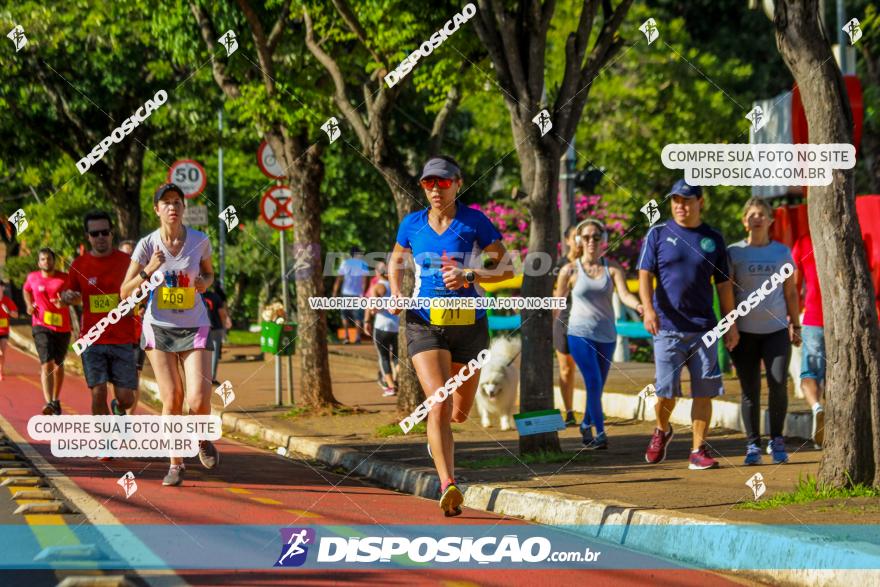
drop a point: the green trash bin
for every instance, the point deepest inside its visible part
(275, 336)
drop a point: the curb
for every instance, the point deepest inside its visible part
(613, 522)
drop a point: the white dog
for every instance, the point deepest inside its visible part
(499, 382)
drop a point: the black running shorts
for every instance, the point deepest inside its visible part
(463, 342)
(51, 345)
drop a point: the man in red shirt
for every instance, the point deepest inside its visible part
(95, 280)
(7, 309)
(50, 325)
(812, 336)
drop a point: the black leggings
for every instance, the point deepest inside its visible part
(386, 346)
(774, 350)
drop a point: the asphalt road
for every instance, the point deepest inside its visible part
(202, 531)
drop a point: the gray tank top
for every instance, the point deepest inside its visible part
(592, 312)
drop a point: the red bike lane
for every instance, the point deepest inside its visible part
(253, 486)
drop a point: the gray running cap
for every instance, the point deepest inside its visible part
(441, 168)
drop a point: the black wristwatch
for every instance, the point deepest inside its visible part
(470, 277)
(144, 275)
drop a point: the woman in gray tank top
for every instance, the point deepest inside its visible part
(592, 334)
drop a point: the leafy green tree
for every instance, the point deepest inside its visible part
(267, 85)
(670, 91)
(74, 83)
(516, 36)
(358, 50)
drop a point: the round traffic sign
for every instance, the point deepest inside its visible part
(276, 207)
(189, 175)
(269, 165)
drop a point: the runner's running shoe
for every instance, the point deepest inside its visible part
(701, 459)
(451, 500)
(388, 392)
(656, 452)
(753, 454)
(598, 443)
(57, 405)
(115, 408)
(818, 426)
(569, 419)
(174, 476)
(586, 434)
(777, 449)
(49, 409)
(208, 454)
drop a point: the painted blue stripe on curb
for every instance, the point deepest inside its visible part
(720, 547)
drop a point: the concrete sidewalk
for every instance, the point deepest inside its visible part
(610, 490)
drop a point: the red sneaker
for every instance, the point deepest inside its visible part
(702, 460)
(656, 452)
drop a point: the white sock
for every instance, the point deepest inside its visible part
(817, 407)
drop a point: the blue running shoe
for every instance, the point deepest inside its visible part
(586, 434)
(777, 449)
(598, 443)
(753, 454)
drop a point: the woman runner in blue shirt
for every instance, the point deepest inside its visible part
(446, 241)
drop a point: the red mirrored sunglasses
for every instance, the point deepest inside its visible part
(442, 183)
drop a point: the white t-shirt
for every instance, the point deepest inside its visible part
(176, 304)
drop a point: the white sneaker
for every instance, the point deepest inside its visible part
(174, 476)
(818, 427)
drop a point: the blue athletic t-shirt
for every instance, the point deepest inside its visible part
(684, 260)
(463, 240)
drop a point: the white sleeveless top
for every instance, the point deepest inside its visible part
(384, 320)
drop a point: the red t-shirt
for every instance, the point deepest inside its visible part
(6, 306)
(99, 280)
(806, 266)
(46, 293)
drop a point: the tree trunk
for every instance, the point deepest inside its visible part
(122, 177)
(404, 188)
(852, 337)
(537, 325)
(306, 171)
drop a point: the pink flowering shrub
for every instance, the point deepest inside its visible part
(512, 220)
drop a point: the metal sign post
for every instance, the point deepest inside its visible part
(286, 302)
(221, 202)
(275, 208)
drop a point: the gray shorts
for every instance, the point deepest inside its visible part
(175, 340)
(676, 350)
(110, 363)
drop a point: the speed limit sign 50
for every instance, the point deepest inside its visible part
(189, 175)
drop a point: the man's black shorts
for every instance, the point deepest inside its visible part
(463, 342)
(51, 345)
